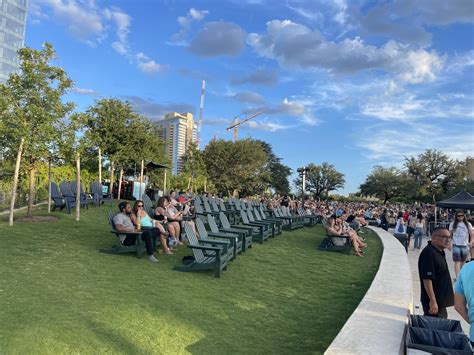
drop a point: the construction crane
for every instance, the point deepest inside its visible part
(237, 123)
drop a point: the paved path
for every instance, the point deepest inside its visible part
(413, 260)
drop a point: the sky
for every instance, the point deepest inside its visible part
(353, 83)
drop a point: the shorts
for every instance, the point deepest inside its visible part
(460, 253)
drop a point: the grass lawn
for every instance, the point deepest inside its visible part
(58, 294)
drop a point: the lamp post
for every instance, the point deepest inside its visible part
(302, 171)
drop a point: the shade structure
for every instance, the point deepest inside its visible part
(462, 200)
(152, 165)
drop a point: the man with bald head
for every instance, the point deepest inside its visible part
(435, 280)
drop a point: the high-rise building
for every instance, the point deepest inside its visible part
(12, 35)
(178, 131)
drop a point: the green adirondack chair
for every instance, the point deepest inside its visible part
(228, 244)
(138, 247)
(268, 224)
(277, 224)
(263, 232)
(333, 242)
(246, 231)
(205, 257)
(236, 238)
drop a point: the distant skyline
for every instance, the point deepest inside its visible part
(353, 83)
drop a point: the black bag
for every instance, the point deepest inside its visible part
(437, 341)
(188, 259)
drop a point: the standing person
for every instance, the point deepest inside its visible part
(461, 232)
(435, 280)
(401, 226)
(419, 226)
(384, 220)
(464, 296)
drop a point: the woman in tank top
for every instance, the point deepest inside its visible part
(141, 218)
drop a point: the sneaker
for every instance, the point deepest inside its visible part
(152, 259)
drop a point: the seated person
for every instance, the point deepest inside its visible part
(140, 217)
(123, 223)
(334, 228)
(164, 211)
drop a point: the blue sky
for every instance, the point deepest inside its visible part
(353, 83)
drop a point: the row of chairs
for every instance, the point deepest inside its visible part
(64, 196)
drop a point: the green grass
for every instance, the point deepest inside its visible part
(58, 294)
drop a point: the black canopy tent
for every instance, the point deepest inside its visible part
(463, 200)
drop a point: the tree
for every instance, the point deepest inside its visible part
(433, 172)
(237, 166)
(322, 179)
(33, 109)
(384, 183)
(278, 172)
(193, 169)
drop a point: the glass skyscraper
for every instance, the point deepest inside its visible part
(12, 34)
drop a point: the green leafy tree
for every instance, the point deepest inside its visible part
(239, 167)
(32, 110)
(384, 183)
(322, 179)
(433, 172)
(278, 172)
(193, 173)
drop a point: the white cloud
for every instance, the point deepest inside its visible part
(218, 38)
(389, 144)
(185, 22)
(81, 19)
(81, 91)
(89, 23)
(296, 46)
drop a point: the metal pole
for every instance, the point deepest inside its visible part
(304, 185)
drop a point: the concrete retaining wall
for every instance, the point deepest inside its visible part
(378, 324)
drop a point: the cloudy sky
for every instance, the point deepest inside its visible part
(355, 83)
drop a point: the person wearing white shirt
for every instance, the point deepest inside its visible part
(462, 234)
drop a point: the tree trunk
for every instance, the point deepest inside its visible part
(78, 187)
(31, 193)
(120, 184)
(100, 166)
(49, 186)
(164, 184)
(141, 182)
(111, 185)
(15, 180)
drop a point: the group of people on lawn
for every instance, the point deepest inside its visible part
(170, 211)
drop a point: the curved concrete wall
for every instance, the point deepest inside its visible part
(378, 324)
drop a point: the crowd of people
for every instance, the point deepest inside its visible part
(171, 210)
(344, 219)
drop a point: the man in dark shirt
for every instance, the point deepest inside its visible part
(435, 280)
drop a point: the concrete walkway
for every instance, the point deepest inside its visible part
(413, 260)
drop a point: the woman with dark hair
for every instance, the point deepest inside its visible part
(419, 226)
(165, 211)
(142, 220)
(462, 234)
(334, 227)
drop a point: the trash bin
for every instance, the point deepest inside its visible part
(437, 341)
(402, 238)
(434, 323)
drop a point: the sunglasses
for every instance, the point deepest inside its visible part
(460, 215)
(447, 239)
(139, 205)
